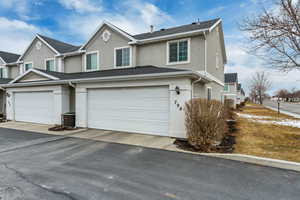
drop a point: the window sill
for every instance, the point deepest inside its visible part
(178, 63)
(120, 67)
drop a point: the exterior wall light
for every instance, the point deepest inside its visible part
(177, 90)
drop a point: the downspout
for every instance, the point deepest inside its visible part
(71, 84)
(205, 53)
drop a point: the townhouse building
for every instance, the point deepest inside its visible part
(118, 81)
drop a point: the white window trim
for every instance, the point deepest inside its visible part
(24, 66)
(179, 62)
(48, 59)
(85, 59)
(115, 57)
(228, 87)
(5, 75)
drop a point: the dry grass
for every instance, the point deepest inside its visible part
(267, 140)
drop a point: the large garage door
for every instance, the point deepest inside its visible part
(36, 107)
(139, 110)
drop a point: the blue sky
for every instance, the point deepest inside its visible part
(74, 21)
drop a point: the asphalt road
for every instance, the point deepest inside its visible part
(72, 168)
(289, 107)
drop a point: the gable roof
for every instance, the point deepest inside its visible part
(39, 72)
(231, 77)
(205, 25)
(59, 46)
(9, 57)
(56, 46)
(112, 72)
(113, 27)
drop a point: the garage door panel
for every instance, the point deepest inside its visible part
(142, 110)
(36, 107)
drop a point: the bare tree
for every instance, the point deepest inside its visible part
(274, 34)
(259, 85)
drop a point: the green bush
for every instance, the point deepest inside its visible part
(205, 123)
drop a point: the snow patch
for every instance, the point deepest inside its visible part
(253, 116)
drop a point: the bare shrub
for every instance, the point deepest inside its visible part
(205, 123)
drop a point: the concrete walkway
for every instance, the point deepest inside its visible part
(39, 128)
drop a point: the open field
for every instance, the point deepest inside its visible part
(260, 138)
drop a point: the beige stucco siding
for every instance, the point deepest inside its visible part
(13, 71)
(33, 77)
(200, 90)
(106, 49)
(38, 57)
(156, 54)
(213, 50)
(73, 64)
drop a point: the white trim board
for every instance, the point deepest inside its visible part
(35, 71)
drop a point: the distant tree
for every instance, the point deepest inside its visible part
(283, 93)
(259, 85)
(274, 34)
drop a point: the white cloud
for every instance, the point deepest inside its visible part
(82, 6)
(134, 16)
(18, 34)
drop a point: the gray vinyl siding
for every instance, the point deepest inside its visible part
(73, 64)
(214, 46)
(156, 54)
(38, 56)
(106, 49)
(13, 71)
(200, 91)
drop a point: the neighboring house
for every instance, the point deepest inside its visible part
(8, 71)
(230, 87)
(240, 94)
(233, 90)
(117, 81)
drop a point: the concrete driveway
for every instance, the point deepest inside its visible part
(74, 168)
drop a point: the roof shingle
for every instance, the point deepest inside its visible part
(179, 29)
(112, 72)
(231, 77)
(59, 46)
(9, 57)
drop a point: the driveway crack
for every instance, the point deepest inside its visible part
(43, 187)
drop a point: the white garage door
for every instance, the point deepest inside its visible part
(139, 110)
(36, 107)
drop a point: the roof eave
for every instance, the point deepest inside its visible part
(188, 74)
(171, 36)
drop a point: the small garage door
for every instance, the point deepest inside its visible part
(36, 107)
(138, 110)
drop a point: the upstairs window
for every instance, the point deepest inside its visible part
(178, 51)
(28, 66)
(50, 65)
(92, 62)
(122, 57)
(2, 73)
(226, 88)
